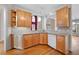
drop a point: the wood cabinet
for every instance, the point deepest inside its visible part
(63, 17)
(27, 41)
(11, 37)
(43, 38)
(29, 20)
(20, 18)
(24, 19)
(60, 43)
(36, 39)
(13, 18)
(63, 43)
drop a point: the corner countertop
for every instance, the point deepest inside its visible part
(34, 32)
(52, 33)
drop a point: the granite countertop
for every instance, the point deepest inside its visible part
(34, 32)
(22, 31)
(60, 33)
(53, 33)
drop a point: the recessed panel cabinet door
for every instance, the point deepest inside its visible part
(59, 17)
(27, 41)
(20, 18)
(60, 43)
(63, 16)
(24, 19)
(41, 38)
(29, 21)
(45, 40)
(11, 40)
(35, 39)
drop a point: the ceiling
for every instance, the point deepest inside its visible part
(41, 9)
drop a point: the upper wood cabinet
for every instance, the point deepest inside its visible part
(20, 18)
(13, 18)
(63, 17)
(24, 19)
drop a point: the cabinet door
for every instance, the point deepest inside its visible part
(35, 39)
(20, 18)
(52, 40)
(66, 17)
(45, 39)
(23, 19)
(41, 38)
(29, 20)
(27, 41)
(59, 17)
(63, 17)
(26, 19)
(11, 40)
(60, 43)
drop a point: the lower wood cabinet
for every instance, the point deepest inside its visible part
(27, 41)
(60, 43)
(34, 39)
(11, 37)
(43, 38)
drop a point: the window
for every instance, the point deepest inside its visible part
(39, 19)
(36, 22)
(33, 18)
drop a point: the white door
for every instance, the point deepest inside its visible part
(52, 40)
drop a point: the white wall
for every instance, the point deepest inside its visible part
(75, 11)
(0, 24)
(4, 9)
(3, 25)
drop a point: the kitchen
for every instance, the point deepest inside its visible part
(40, 25)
